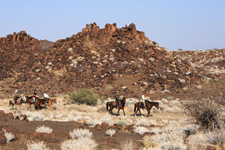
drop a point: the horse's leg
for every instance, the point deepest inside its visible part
(149, 111)
(118, 111)
(136, 112)
(140, 111)
(111, 108)
(124, 112)
(51, 107)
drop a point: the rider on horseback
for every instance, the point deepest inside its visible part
(46, 96)
(117, 99)
(34, 98)
(15, 96)
(143, 98)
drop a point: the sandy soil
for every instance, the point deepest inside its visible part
(62, 121)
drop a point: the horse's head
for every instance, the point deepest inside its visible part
(53, 100)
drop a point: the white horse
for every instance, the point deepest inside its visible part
(17, 101)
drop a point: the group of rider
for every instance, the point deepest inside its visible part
(46, 97)
(119, 98)
(34, 97)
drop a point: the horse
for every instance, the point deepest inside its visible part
(148, 106)
(51, 100)
(39, 103)
(17, 100)
(112, 105)
(29, 100)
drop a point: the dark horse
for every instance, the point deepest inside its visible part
(40, 102)
(29, 101)
(148, 106)
(112, 104)
(44, 102)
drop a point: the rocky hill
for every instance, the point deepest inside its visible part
(211, 61)
(107, 60)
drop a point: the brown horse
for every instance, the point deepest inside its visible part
(112, 105)
(51, 100)
(148, 106)
(39, 103)
(29, 101)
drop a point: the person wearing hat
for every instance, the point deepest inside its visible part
(143, 98)
(46, 96)
(15, 96)
(34, 96)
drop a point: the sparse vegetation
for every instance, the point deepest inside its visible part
(36, 146)
(79, 144)
(80, 133)
(205, 113)
(140, 130)
(128, 145)
(109, 88)
(110, 132)
(9, 136)
(122, 122)
(205, 107)
(84, 96)
(43, 129)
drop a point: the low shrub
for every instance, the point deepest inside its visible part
(109, 88)
(110, 132)
(128, 145)
(79, 144)
(84, 96)
(80, 133)
(140, 130)
(36, 146)
(43, 129)
(122, 122)
(205, 113)
(9, 136)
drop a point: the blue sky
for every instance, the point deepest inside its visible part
(187, 24)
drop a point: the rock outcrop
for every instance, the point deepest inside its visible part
(109, 59)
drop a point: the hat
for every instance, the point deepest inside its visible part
(16, 91)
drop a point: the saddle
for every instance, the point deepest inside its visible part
(142, 105)
(117, 103)
(46, 99)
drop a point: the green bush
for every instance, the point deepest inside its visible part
(109, 88)
(84, 96)
(122, 122)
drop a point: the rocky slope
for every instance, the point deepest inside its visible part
(108, 60)
(211, 61)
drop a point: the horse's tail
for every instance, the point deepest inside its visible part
(10, 102)
(107, 105)
(134, 107)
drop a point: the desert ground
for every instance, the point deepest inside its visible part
(167, 127)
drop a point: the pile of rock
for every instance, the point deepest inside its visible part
(122, 58)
